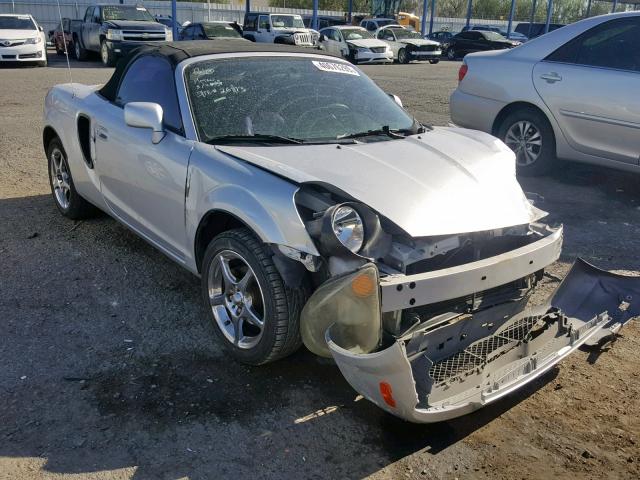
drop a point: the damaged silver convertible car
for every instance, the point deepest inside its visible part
(315, 209)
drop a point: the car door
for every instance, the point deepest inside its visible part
(94, 36)
(86, 26)
(386, 35)
(263, 34)
(591, 86)
(144, 183)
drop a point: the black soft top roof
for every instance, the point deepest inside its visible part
(176, 52)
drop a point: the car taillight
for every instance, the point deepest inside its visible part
(462, 72)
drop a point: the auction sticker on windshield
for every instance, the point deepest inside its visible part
(335, 68)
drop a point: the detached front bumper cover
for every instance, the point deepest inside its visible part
(448, 371)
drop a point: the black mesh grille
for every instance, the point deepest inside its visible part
(477, 353)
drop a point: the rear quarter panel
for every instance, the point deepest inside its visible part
(63, 105)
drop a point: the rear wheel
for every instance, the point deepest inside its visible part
(254, 313)
(434, 61)
(67, 199)
(528, 133)
(451, 53)
(81, 53)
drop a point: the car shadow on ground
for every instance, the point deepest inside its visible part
(168, 400)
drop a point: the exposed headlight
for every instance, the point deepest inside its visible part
(168, 34)
(33, 40)
(363, 50)
(348, 227)
(114, 34)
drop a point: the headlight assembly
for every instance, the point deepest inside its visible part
(114, 34)
(168, 34)
(348, 227)
(33, 40)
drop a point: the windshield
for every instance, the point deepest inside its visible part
(16, 23)
(220, 30)
(496, 37)
(123, 12)
(297, 97)
(355, 33)
(404, 33)
(287, 21)
(382, 23)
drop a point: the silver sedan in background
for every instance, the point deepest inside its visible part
(570, 94)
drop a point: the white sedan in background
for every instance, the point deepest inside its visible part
(570, 94)
(408, 45)
(355, 44)
(22, 40)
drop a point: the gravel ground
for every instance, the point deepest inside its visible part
(110, 369)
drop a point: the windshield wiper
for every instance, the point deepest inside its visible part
(257, 138)
(393, 133)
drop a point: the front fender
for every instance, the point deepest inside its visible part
(259, 199)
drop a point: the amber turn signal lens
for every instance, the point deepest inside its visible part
(387, 394)
(363, 285)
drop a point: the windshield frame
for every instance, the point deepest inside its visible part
(225, 26)
(184, 100)
(294, 15)
(409, 35)
(489, 33)
(360, 30)
(25, 18)
(125, 7)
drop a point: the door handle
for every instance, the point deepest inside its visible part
(102, 133)
(552, 77)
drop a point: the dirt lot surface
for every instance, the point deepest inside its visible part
(110, 370)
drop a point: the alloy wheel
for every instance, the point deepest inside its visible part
(60, 178)
(451, 54)
(524, 138)
(104, 53)
(236, 299)
(76, 48)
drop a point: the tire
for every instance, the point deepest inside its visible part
(434, 61)
(80, 53)
(529, 134)
(58, 51)
(108, 59)
(265, 295)
(451, 53)
(402, 56)
(43, 63)
(74, 207)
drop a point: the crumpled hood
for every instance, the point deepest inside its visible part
(445, 181)
(12, 34)
(417, 42)
(367, 43)
(135, 25)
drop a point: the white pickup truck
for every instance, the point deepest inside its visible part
(278, 28)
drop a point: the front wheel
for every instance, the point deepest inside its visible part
(255, 315)
(451, 53)
(434, 61)
(403, 56)
(528, 133)
(108, 59)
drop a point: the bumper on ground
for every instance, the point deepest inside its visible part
(497, 351)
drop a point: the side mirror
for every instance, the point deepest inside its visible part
(396, 99)
(322, 38)
(268, 28)
(40, 28)
(145, 115)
